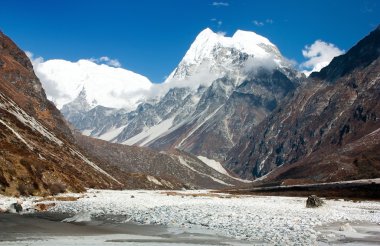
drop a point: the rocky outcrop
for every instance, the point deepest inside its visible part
(326, 131)
(314, 202)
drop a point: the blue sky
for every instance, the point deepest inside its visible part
(150, 37)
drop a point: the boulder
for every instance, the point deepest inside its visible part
(16, 207)
(313, 202)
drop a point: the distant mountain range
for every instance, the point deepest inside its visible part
(40, 154)
(222, 87)
(238, 101)
(233, 108)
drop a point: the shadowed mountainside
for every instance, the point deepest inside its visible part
(327, 131)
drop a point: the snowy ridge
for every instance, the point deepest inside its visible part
(212, 52)
(207, 40)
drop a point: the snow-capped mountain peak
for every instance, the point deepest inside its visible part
(222, 87)
(202, 46)
(246, 41)
(213, 52)
(253, 44)
(249, 37)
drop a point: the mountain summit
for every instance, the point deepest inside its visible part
(208, 41)
(222, 87)
(217, 54)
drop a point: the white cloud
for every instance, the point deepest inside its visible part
(258, 23)
(262, 23)
(220, 4)
(33, 59)
(319, 55)
(106, 60)
(108, 86)
(63, 81)
(218, 22)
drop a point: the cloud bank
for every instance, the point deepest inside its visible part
(319, 55)
(104, 81)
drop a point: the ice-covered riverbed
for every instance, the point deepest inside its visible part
(275, 220)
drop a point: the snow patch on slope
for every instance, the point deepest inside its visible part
(111, 134)
(213, 164)
(153, 180)
(87, 132)
(219, 168)
(149, 134)
(183, 162)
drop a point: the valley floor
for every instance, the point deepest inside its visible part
(198, 217)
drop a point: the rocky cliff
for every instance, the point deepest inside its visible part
(328, 130)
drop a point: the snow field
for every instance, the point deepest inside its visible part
(276, 220)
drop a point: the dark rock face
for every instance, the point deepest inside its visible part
(313, 202)
(360, 56)
(227, 110)
(317, 133)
